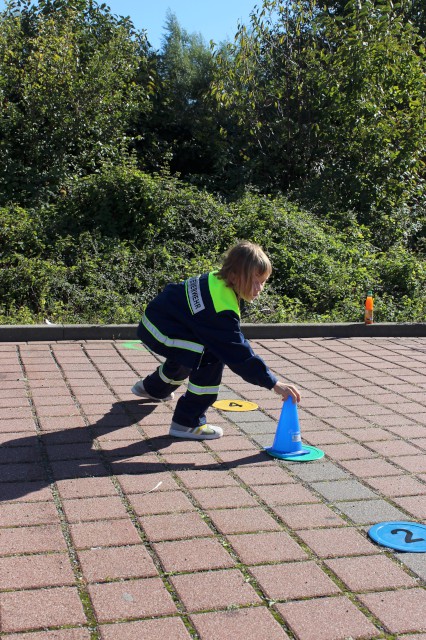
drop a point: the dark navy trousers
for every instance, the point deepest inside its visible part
(202, 391)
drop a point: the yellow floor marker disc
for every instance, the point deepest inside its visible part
(235, 405)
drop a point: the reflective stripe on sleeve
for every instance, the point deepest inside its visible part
(171, 342)
(201, 391)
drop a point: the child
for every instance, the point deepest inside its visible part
(195, 325)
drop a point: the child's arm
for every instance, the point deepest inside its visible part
(286, 391)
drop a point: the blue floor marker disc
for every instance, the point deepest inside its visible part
(402, 536)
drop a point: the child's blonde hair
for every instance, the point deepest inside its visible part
(241, 264)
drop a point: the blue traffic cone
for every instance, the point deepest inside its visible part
(288, 441)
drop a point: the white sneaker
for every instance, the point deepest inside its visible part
(205, 432)
(139, 390)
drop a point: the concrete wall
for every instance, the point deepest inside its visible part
(52, 333)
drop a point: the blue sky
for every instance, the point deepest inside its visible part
(215, 19)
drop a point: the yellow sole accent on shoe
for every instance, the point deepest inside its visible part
(199, 430)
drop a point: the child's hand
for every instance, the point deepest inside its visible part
(286, 391)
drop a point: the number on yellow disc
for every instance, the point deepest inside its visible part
(235, 405)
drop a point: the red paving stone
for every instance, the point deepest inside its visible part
(84, 468)
(293, 580)
(186, 461)
(409, 431)
(222, 498)
(60, 423)
(110, 533)
(61, 634)
(391, 448)
(243, 520)
(397, 486)
(193, 555)
(15, 540)
(232, 443)
(329, 543)
(11, 454)
(415, 505)
(21, 472)
(131, 599)
(85, 487)
(370, 434)
(112, 563)
(97, 508)
(413, 464)
(18, 426)
(324, 437)
(238, 624)
(285, 494)
(370, 468)
(175, 526)
(314, 515)
(369, 573)
(25, 492)
(348, 452)
(69, 451)
(268, 474)
(201, 478)
(400, 611)
(172, 628)
(247, 547)
(256, 548)
(147, 483)
(13, 413)
(161, 502)
(28, 514)
(310, 619)
(214, 590)
(35, 571)
(40, 608)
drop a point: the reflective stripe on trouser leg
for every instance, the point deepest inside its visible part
(166, 379)
(203, 387)
(202, 391)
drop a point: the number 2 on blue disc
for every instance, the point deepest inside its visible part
(401, 536)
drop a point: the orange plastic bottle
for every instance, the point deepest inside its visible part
(369, 306)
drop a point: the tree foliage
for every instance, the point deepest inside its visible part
(68, 90)
(331, 103)
(123, 168)
(181, 130)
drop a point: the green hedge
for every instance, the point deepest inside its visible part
(116, 238)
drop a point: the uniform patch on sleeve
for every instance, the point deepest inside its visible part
(193, 292)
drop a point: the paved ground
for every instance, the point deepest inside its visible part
(110, 529)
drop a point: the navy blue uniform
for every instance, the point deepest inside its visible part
(195, 325)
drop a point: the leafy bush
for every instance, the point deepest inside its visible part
(118, 237)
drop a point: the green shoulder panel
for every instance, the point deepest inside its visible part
(224, 298)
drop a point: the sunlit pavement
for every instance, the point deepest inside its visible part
(110, 529)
